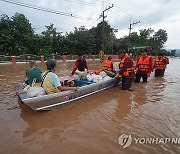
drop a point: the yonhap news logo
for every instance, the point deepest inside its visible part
(125, 140)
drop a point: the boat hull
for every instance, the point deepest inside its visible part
(51, 101)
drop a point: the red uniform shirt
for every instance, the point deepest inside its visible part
(128, 63)
(81, 65)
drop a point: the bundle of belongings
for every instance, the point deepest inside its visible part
(67, 81)
(98, 78)
(34, 91)
(94, 77)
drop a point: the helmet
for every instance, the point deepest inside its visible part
(109, 57)
(122, 52)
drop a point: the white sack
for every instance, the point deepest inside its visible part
(35, 91)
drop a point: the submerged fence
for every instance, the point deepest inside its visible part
(28, 57)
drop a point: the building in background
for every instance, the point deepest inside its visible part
(173, 52)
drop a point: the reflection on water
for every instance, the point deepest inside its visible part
(92, 124)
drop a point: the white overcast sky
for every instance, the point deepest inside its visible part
(164, 14)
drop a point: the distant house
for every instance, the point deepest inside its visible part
(173, 52)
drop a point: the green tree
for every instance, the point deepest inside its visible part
(17, 37)
(81, 41)
(21, 32)
(159, 38)
(145, 36)
(15, 32)
(5, 35)
(109, 36)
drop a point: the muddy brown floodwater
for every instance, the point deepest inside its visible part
(93, 124)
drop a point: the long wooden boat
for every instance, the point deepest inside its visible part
(51, 101)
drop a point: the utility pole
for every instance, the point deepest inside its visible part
(103, 16)
(112, 43)
(130, 27)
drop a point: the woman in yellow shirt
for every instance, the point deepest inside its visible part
(51, 82)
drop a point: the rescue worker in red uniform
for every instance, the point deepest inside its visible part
(166, 59)
(126, 70)
(108, 64)
(160, 64)
(144, 66)
(80, 64)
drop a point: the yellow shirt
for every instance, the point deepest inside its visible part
(50, 83)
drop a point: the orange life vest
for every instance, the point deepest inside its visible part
(128, 70)
(108, 65)
(159, 65)
(98, 72)
(165, 58)
(143, 64)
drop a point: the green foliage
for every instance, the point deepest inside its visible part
(109, 37)
(80, 41)
(159, 38)
(18, 37)
(15, 32)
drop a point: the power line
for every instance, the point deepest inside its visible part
(103, 2)
(117, 27)
(37, 8)
(84, 3)
(118, 14)
(92, 23)
(46, 10)
(40, 26)
(129, 15)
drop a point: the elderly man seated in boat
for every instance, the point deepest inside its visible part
(51, 82)
(33, 74)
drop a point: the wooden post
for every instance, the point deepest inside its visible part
(42, 59)
(93, 56)
(13, 59)
(64, 58)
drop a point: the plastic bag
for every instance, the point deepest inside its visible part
(106, 78)
(97, 78)
(89, 77)
(103, 74)
(76, 77)
(35, 91)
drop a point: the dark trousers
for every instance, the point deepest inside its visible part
(159, 72)
(138, 77)
(126, 83)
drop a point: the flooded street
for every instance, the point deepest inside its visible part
(93, 124)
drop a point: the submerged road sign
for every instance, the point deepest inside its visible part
(101, 55)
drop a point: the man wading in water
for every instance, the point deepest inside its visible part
(144, 66)
(126, 68)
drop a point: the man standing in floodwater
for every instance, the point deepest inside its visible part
(108, 64)
(144, 66)
(160, 64)
(33, 73)
(126, 67)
